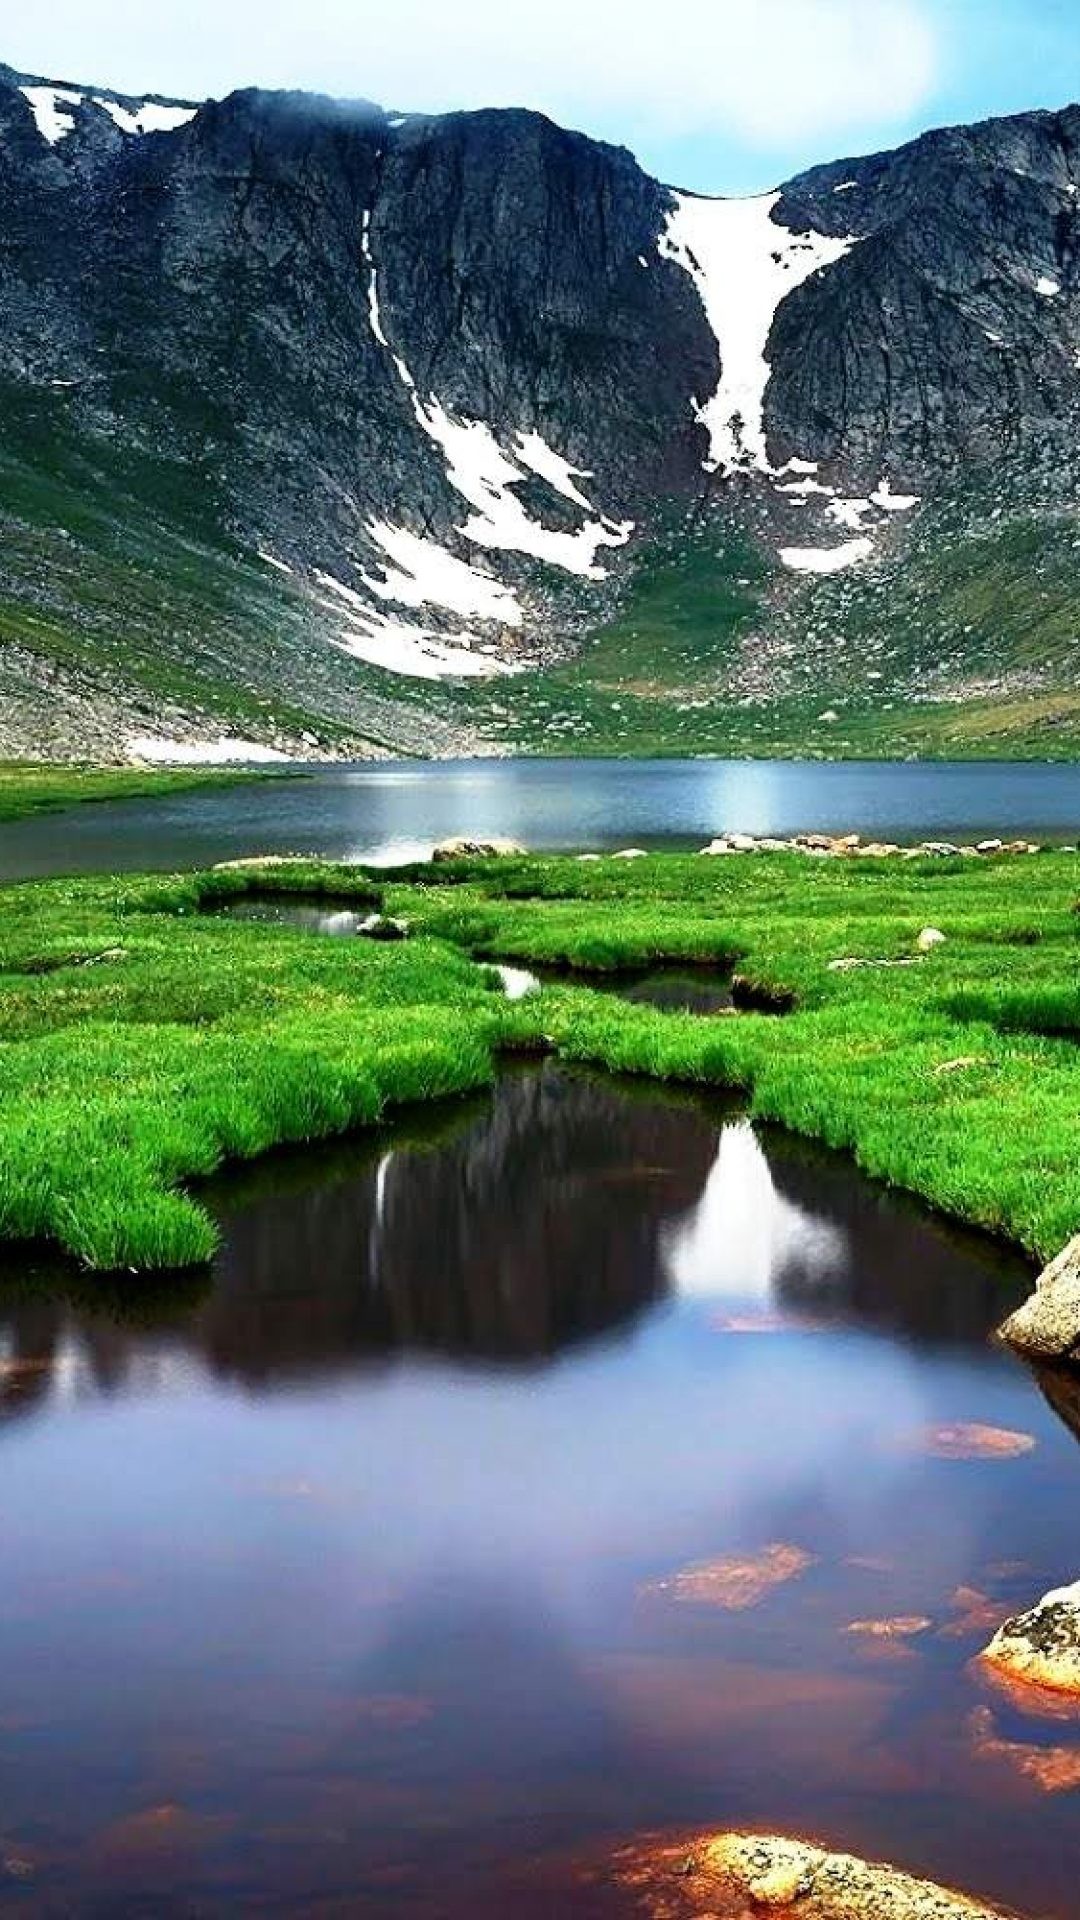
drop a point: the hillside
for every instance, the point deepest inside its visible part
(335, 431)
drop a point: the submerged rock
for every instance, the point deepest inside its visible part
(733, 1875)
(1042, 1647)
(1050, 1769)
(1047, 1326)
(971, 1440)
(1059, 1384)
(735, 1581)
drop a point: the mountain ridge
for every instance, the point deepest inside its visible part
(346, 431)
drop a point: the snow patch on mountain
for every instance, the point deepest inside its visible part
(223, 752)
(424, 574)
(843, 510)
(485, 477)
(827, 559)
(400, 646)
(51, 108)
(890, 502)
(54, 108)
(479, 470)
(533, 452)
(744, 265)
(152, 116)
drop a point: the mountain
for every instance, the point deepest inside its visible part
(336, 430)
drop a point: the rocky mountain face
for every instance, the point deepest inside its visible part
(334, 430)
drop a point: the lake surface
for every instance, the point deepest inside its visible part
(396, 812)
(345, 1578)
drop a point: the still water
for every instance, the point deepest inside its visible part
(397, 812)
(343, 1578)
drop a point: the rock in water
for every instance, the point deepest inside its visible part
(739, 1874)
(1042, 1647)
(1047, 1326)
(464, 849)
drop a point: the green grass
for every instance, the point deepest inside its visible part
(26, 788)
(960, 641)
(145, 1039)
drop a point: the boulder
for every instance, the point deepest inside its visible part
(718, 846)
(929, 938)
(631, 853)
(739, 1874)
(1041, 1648)
(990, 846)
(462, 848)
(1047, 1326)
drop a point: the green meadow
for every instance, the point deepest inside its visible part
(146, 1038)
(26, 788)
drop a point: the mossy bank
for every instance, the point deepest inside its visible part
(146, 1037)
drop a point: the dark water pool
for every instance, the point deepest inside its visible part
(310, 916)
(340, 1580)
(397, 811)
(673, 989)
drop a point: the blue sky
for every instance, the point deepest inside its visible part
(720, 95)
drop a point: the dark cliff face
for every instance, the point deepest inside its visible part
(210, 284)
(931, 343)
(510, 258)
(259, 324)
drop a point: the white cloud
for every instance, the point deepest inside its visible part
(764, 72)
(760, 69)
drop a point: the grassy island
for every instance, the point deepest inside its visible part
(146, 1037)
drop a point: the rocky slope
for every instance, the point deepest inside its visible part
(340, 431)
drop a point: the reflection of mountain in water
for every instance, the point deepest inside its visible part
(1060, 1387)
(533, 1226)
(909, 1270)
(555, 1212)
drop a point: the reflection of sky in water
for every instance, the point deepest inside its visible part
(743, 1234)
(225, 1531)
